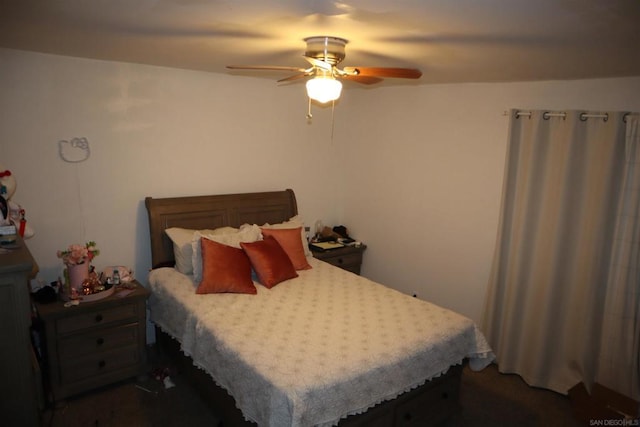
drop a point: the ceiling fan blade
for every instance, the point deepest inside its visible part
(318, 63)
(266, 67)
(398, 73)
(294, 77)
(366, 80)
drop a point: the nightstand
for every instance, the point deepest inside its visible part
(348, 258)
(94, 343)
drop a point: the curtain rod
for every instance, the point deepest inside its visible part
(583, 116)
(548, 114)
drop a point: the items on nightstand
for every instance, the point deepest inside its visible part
(338, 234)
(117, 273)
(325, 234)
(80, 278)
(318, 231)
(82, 282)
(8, 234)
(346, 257)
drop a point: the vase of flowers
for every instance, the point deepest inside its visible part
(77, 258)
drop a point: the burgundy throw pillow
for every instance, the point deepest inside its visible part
(289, 239)
(270, 261)
(224, 269)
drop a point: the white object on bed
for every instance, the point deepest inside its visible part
(181, 239)
(316, 348)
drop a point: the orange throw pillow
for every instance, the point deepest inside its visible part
(225, 269)
(289, 239)
(270, 261)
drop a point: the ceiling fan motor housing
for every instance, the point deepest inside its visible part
(326, 48)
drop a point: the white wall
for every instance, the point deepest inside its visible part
(152, 132)
(416, 173)
(425, 181)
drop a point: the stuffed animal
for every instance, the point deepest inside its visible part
(11, 212)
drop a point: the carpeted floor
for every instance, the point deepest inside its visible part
(488, 398)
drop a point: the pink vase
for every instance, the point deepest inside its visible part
(77, 274)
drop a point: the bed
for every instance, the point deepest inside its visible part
(326, 347)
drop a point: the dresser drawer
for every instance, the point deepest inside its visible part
(99, 363)
(73, 346)
(96, 318)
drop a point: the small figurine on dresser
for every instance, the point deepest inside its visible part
(11, 213)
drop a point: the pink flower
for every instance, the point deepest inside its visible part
(79, 254)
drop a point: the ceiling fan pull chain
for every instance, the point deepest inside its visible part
(333, 122)
(309, 115)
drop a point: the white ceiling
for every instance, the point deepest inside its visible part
(449, 40)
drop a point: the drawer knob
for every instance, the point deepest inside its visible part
(340, 261)
(98, 318)
(408, 416)
(100, 341)
(102, 364)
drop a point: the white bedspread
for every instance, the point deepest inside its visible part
(315, 348)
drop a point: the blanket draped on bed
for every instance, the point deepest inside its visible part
(316, 348)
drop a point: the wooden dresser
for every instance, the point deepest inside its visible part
(348, 258)
(20, 382)
(94, 343)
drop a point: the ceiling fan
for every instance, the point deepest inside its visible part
(324, 53)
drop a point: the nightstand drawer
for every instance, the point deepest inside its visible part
(83, 368)
(348, 258)
(99, 317)
(98, 340)
(345, 260)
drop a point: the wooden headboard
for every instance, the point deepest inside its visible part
(201, 212)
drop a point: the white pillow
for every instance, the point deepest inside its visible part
(182, 252)
(294, 222)
(227, 236)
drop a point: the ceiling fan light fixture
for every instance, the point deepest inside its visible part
(323, 54)
(324, 89)
(326, 48)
